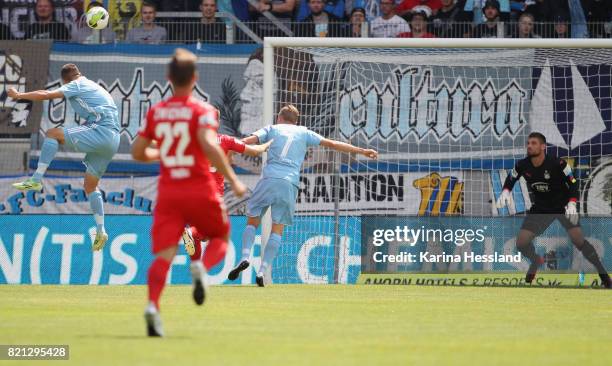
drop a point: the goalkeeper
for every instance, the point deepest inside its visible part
(555, 192)
(277, 189)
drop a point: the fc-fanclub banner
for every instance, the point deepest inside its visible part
(23, 67)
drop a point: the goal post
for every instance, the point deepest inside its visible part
(449, 118)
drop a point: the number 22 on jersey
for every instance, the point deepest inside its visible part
(169, 134)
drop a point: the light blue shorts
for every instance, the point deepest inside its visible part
(99, 143)
(279, 195)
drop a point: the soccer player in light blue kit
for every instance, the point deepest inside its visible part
(278, 187)
(98, 137)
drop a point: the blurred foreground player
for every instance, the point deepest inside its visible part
(555, 192)
(185, 130)
(278, 187)
(192, 238)
(98, 137)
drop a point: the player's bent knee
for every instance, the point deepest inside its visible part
(56, 133)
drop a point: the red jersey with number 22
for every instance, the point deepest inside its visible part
(174, 125)
(227, 143)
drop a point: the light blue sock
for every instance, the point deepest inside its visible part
(248, 238)
(270, 252)
(97, 208)
(47, 153)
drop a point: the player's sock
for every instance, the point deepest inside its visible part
(248, 238)
(214, 253)
(528, 251)
(270, 252)
(588, 251)
(47, 153)
(97, 208)
(196, 234)
(156, 279)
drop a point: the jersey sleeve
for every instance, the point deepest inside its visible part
(237, 145)
(263, 134)
(146, 129)
(230, 143)
(513, 176)
(571, 182)
(70, 89)
(313, 138)
(208, 118)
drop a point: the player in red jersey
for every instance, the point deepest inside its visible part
(185, 130)
(192, 238)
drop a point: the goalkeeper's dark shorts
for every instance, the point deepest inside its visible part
(537, 220)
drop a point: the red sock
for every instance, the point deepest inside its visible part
(215, 252)
(196, 234)
(157, 279)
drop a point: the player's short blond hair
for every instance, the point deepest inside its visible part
(182, 67)
(289, 113)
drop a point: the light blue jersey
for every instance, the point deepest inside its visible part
(99, 137)
(278, 187)
(287, 152)
(91, 102)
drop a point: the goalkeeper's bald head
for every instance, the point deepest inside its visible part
(289, 114)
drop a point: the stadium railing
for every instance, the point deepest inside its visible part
(234, 31)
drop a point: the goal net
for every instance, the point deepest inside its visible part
(449, 120)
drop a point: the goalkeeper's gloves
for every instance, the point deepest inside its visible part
(571, 213)
(504, 199)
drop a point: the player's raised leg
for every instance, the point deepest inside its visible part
(214, 226)
(54, 137)
(589, 252)
(97, 209)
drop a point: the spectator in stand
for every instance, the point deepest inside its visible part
(406, 6)
(451, 21)
(208, 30)
(418, 19)
(281, 9)
(319, 23)
(561, 28)
(525, 26)
(389, 24)
(148, 32)
(81, 33)
(492, 28)
(46, 27)
(5, 33)
(357, 21)
(598, 13)
(371, 7)
(334, 7)
(475, 8)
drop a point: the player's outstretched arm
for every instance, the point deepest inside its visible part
(36, 95)
(348, 148)
(208, 142)
(142, 150)
(256, 150)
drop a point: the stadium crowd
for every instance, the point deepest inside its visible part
(337, 18)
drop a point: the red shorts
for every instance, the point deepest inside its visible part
(187, 205)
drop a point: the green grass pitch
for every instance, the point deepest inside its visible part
(315, 325)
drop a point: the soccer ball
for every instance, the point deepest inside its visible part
(97, 18)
